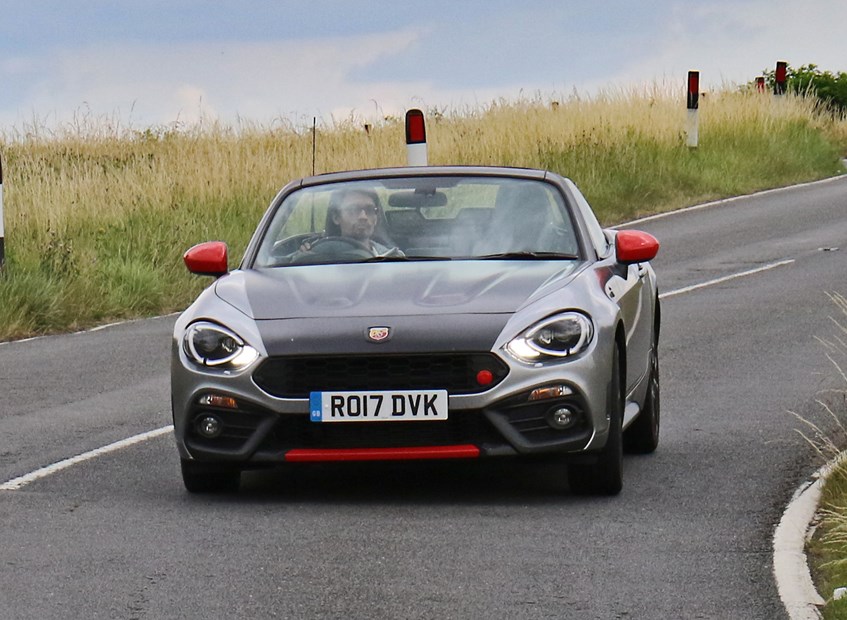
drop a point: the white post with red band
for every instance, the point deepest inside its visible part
(2, 233)
(415, 138)
(693, 104)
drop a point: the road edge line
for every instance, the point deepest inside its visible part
(723, 201)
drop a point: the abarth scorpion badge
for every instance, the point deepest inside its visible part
(379, 334)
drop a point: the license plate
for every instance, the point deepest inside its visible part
(378, 406)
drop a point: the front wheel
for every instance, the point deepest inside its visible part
(643, 436)
(209, 478)
(605, 476)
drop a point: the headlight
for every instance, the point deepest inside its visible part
(560, 336)
(208, 344)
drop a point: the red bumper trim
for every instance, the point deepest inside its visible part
(382, 454)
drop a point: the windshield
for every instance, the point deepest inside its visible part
(420, 218)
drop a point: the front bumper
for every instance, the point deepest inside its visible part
(502, 421)
(510, 426)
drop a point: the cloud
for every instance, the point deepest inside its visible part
(163, 83)
(732, 42)
(192, 102)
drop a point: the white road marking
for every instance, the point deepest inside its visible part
(38, 474)
(750, 272)
(93, 329)
(723, 201)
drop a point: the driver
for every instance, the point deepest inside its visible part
(351, 221)
(354, 214)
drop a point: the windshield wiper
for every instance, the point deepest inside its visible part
(403, 259)
(528, 256)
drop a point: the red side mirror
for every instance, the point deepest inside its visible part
(634, 246)
(207, 259)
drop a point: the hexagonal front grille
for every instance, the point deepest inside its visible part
(296, 377)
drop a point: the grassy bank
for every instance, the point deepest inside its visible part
(97, 216)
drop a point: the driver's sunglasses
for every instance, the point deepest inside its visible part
(369, 210)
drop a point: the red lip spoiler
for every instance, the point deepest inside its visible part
(382, 454)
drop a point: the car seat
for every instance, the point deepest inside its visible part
(522, 221)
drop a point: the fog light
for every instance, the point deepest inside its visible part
(209, 426)
(561, 418)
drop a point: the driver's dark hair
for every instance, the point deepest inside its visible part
(331, 229)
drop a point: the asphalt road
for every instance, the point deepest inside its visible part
(689, 537)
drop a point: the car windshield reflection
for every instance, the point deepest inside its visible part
(420, 218)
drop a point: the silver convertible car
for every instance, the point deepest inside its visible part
(421, 313)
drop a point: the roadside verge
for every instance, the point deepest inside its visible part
(791, 569)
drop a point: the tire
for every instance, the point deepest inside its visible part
(209, 478)
(642, 437)
(605, 476)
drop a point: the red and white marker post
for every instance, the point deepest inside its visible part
(693, 104)
(760, 84)
(780, 78)
(415, 138)
(2, 233)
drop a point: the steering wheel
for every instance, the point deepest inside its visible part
(357, 245)
(342, 247)
(286, 246)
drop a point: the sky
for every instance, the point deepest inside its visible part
(164, 63)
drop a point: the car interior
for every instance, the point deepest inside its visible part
(518, 218)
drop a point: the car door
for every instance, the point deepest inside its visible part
(633, 291)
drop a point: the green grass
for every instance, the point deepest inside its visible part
(98, 216)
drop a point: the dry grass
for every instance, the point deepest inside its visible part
(98, 215)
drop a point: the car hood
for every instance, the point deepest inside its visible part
(395, 289)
